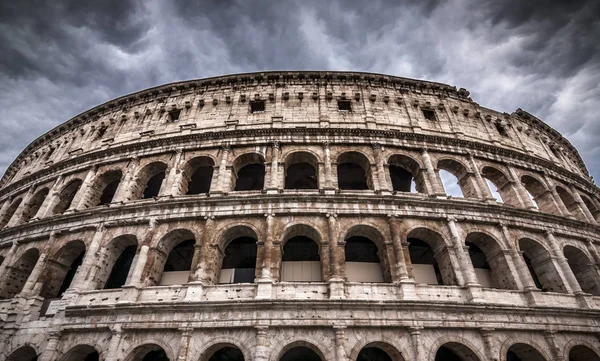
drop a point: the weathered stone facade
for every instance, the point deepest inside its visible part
(299, 215)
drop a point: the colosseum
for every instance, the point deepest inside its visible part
(299, 216)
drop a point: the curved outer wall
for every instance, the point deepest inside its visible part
(153, 179)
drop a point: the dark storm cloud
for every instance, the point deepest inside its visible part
(60, 58)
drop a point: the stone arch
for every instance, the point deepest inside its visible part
(231, 352)
(23, 353)
(577, 350)
(354, 171)
(104, 188)
(34, 204)
(148, 182)
(301, 259)
(117, 258)
(499, 274)
(386, 346)
(81, 352)
(540, 194)
(166, 250)
(465, 179)
(404, 171)
(541, 268)
(569, 201)
(591, 206)
(366, 257)
(504, 187)
(301, 170)
(298, 344)
(197, 175)
(459, 347)
(18, 272)
(583, 268)
(140, 351)
(524, 352)
(60, 269)
(248, 172)
(66, 196)
(10, 211)
(237, 261)
(430, 258)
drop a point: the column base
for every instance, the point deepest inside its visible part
(328, 190)
(531, 295)
(129, 294)
(272, 191)
(408, 291)
(582, 300)
(474, 293)
(336, 289)
(264, 289)
(195, 291)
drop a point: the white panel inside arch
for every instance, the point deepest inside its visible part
(307, 271)
(424, 273)
(363, 272)
(484, 277)
(174, 278)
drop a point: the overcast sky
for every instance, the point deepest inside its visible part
(59, 58)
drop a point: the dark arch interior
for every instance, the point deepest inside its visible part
(71, 273)
(477, 256)
(300, 354)
(109, 192)
(523, 352)
(301, 176)
(66, 197)
(582, 353)
(18, 274)
(583, 270)
(361, 249)
(24, 353)
(250, 178)
(373, 354)
(156, 355)
(401, 178)
(153, 185)
(180, 258)
(227, 354)
(120, 270)
(81, 353)
(10, 212)
(200, 180)
(300, 248)
(34, 205)
(240, 255)
(534, 275)
(421, 253)
(351, 176)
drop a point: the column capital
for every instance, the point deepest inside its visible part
(326, 144)
(226, 147)
(276, 144)
(376, 146)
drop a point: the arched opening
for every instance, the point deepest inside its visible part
(198, 174)
(105, 188)
(249, 172)
(66, 196)
(148, 352)
(239, 263)
(61, 268)
(300, 260)
(10, 212)
(222, 352)
(354, 171)
(379, 351)
(591, 206)
(540, 265)
(300, 353)
(34, 205)
(23, 353)
(569, 201)
(539, 194)
(179, 264)
(301, 171)
(583, 269)
(17, 273)
(120, 252)
(366, 258)
(453, 351)
(406, 174)
(149, 181)
(456, 179)
(1, 260)
(489, 262)
(523, 352)
(500, 186)
(582, 353)
(81, 353)
(429, 258)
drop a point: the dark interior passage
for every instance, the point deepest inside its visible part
(402, 179)
(120, 270)
(351, 176)
(300, 248)
(422, 254)
(240, 255)
(71, 274)
(361, 249)
(301, 176)
(200, 180)
(227, 354)
(373, 354)
(109, 192)
(153, 186)
(250, 177)
(66, 196)
(180, 258)
(300, 354)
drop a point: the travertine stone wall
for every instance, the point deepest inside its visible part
(79, 190)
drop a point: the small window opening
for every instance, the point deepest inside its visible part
(153, 186)
(257, 106)
(501, 129)
(429, 114)
(174, 115)
(344, 105)
(109, 192)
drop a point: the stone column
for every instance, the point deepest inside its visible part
(52, 198)
(34, 275)
(383, 184)
(261, 350)
(5, 205)
(464, 261)
(329, 182)
(8, 260)
(141, 259)
(198, 276)
(417, 343)
(123, 192)
(223, 177)
(174, 179)
(582, 206)
(398, 252)
(519, 262)
(488, 341)
(336, 281)
(564, 268)
(184, 344)
(590, 246)
(265, 282)
(525, 201)
(484, 190)
(562, 208)
(340, 343)
(274, 182)
(556, 351)
(112, 352)
(79, 202)
(434, 182)
(83, 277)
(16, 217)
(51, 346)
